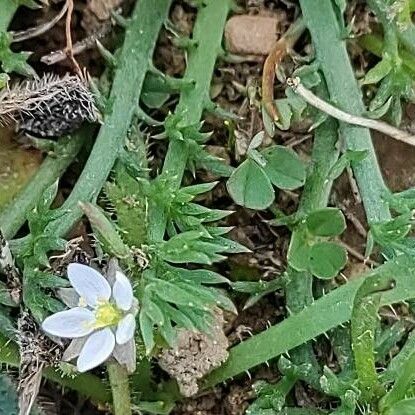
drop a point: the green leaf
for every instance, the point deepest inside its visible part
(156, 408)
(404, 407)
(198, 276)
(379, 112)
(284, 168)
(309, 75)
(105, 231)
(198, 189)
(344, 161)
(364, 322)
(298, 256)
(6, 323)
(326, 222)
(378, 72)
(327, 259)
(285, 114)
(249, 186)
(171, 293)
(13, 62)
(231, 247)
(146, 328)
(153, 311)
(402, 385)
(257, 289)
(256, 141)
(325, 313)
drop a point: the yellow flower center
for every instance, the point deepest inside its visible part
(107, 314)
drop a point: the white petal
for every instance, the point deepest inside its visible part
(73, 323)
(97, 349)
(89, 283)
(122, 291)
(68, 296)
(125, 354)
(125, 329)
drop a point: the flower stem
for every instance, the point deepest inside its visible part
(120, 387)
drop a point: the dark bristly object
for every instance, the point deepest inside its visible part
(51, 106)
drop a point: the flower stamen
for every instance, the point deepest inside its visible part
(107, 314)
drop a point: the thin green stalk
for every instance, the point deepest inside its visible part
(207, 35)
(121, 398)
(323, 315)
(13, 216)
(8, 9)
(299, 290)
(86, 384)
(140, 38)
(345, 93)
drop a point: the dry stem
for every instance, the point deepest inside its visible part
(69, 46)
(329, 109)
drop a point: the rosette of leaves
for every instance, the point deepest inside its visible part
(170, 295)
(251, 184)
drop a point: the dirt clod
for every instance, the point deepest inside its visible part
(251, 35)
(195, 355)
(98, 11)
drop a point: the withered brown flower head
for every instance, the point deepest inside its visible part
(51, 106)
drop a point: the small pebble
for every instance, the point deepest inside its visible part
(251, 35)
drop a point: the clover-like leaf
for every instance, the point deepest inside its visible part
(299, 250)
(249, 186)
(284, 168)
(326, 222)
(327, 259)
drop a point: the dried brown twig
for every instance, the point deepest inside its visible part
(78, 47)
(69, 45)
(279, 51)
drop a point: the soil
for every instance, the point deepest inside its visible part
(269, 245)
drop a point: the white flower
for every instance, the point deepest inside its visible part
(101, 320)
